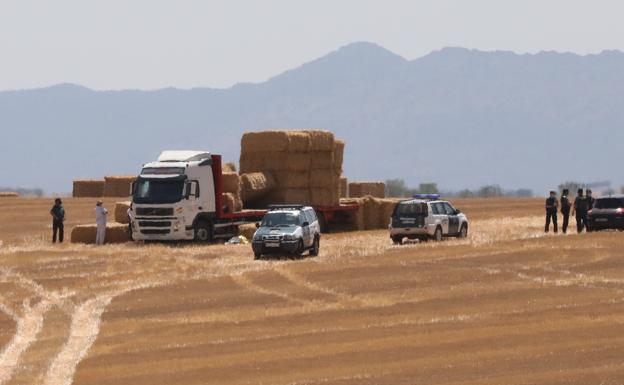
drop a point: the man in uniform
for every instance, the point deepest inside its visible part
(58, 217)
(565, 209)
(590, 199)
(580, 209)
(552, 205)
(100, 221)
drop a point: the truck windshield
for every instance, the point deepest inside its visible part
(158, 191)
(280, 219)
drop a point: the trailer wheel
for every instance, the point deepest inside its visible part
(203, 231)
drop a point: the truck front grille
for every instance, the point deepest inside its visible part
(154, 224)
(155, 231)
(154, 211)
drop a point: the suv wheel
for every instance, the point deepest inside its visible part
(314, 251)
(257, 256)
(463, 232)
(397, 240)
(203, 231)
(300, 247)
(437, 236)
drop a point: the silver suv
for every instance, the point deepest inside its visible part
(287, 229)
(425, 218)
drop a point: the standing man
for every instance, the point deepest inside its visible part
(552, 205)
(58, 217)
(580, 210)
(565, 209)
(590, 199)
(100, 221)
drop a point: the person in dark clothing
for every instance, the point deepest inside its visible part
(58, 217)
(580, 209)
(552, 205)
(565, 210)
(590, 199)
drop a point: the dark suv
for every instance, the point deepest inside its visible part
(607, 213)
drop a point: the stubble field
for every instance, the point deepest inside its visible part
(508, 305)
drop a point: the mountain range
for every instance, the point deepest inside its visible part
(461, 118)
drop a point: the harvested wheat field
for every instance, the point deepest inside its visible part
(507, 305)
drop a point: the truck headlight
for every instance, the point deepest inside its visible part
(176, 226)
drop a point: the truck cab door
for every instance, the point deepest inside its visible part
(192, 195)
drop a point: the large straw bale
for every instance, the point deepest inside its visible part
(285, 196)
(298, 141)
(321, 140)
(115, 233)
(322, 160)
(231, 183)
(88, 188)
(344, 187)
(8, 194)
(264, 141)
(360, 189)
(256, 184)
(324, 197)
(232, 202)
(385, 212)
(229, 167)
(356, 218)
(291, 179)
(118, 186)
(339, 147)
(372, 212)
(121, 212)
(247, 230)
(324, 178)
(274, 161)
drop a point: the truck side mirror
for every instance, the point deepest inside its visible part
(133, 188)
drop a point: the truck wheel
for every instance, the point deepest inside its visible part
(314, 251)
(463, 232)
(203, 231)
(437, 236)
(397, 240)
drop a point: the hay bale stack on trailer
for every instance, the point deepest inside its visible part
(88, 188)
(361, 189)
(115, 233)
(305, 165)
(344, 187)
(121, 212)
(118, 186)
(256, 185)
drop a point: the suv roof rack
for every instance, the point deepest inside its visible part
(431, 197)
(286, 207)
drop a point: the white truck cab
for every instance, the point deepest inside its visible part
(178, 197)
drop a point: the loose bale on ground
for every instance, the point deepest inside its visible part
(8, 194)
(118, 186)
(247, 230)
(229, 167)
(115, 233)
(256, 185)
(231, 183)
(361, 189)
(88, 188)
(344, 190)
(233, 202)
(121, 212)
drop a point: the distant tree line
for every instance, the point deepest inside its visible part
(398, 188)
(37, 192)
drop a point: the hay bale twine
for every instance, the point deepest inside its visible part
(121, 212)
(247, 230)
(118, 186)
(256, 185)
(264, 141)
(231, 183)
(8, 194)
(344, 187)
(88, 188)
(115, 233)
(361, 189)
(232, 202)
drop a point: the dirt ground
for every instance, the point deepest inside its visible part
(508, 305)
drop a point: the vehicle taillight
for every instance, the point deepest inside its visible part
(620, 210)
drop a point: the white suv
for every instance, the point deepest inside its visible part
(424, 219)
(287, 229)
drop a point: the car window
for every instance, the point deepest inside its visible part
(449, 209)
(306, 216)
(277, 219)
(408, 209)
(609, 203)
(312, 215)
(438, 208)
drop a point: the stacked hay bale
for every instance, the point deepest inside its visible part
(305, 165)
(255, 185)
(88, 188)
(344, 187)
(373, 213)
(8, 194)
(115, 233)
(361, 189)
(118, 186)
(229, 167)
(232, 191)
(121, 212)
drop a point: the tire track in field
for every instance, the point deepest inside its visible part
(246, 283)
(342, 298)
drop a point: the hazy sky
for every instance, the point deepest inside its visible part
(147, 44)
